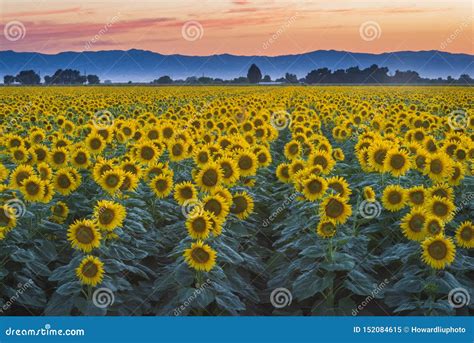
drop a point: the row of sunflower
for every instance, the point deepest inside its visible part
(120, 180)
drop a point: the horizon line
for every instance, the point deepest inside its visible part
(229, 54)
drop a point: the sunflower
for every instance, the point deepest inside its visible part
(32, 188)
(95, 143)
(413, 224)
(465, 235)
(457, 175)
(326, 228)
(230, 170)
(438, 251)
(200, 256)
(242, 205)
(440, 207)
(198, 223)
(177, 150)
(21, 173)
(216, 205)
(80, 158)
(48, 190)
(162, 185)
(58, 158)
(292, 150)
(20, 155)
(323, 159)
(3, 172)
(335, 208)
(146, 152)
(434, 226)
(109, 215)
(90, 271)
(129, 183)
(369, 194)
(210, 176)
(247, 163)
(442, 190)
(340, 186)
(264, 157)
(66, 181)
(282, 172)
(314, 187)
(377, 153)
(44, 171)
(394, 198)
(112, 180)
(438, 167)
(7, 218)
(202, 155)
(397, 162)
(59, 212)
(184, 191)
(416, 196)
(84, 235)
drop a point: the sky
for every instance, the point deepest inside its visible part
(240, 27)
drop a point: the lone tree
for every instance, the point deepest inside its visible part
(28, 77)
(254, 74)
(8, 79)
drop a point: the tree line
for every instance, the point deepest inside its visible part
(353, 75)
(60, 77)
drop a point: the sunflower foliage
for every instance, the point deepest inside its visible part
(205, 200)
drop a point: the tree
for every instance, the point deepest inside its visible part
(28, 77)
(254, 75)
(163, 80)
(93, 79)
(8, 79)
(66, 77)
(291, 78)
(267, 78)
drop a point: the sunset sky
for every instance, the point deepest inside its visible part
(242, 27)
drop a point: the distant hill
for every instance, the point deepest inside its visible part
(144, 66)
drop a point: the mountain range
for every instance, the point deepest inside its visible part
(144, 66)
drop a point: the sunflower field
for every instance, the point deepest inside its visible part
(236, 200)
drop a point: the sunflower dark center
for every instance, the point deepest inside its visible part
(436, 166)
(147, 153)
(32, 188)
(314, 186)
(438, 250)
(466, 233)
(200, 255)
(85, 234)
(90, 269)
(64, 181)
(379, 156)
(397, 161)
(416, 223)
(209, 178)
(440, 209)
(394, 197)
(239, 205)
(245, 163)
(95, 143)
(213, 206)
(161, 185)
(199, 225)
(106, 216)
(334, 208)
(417, 197)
